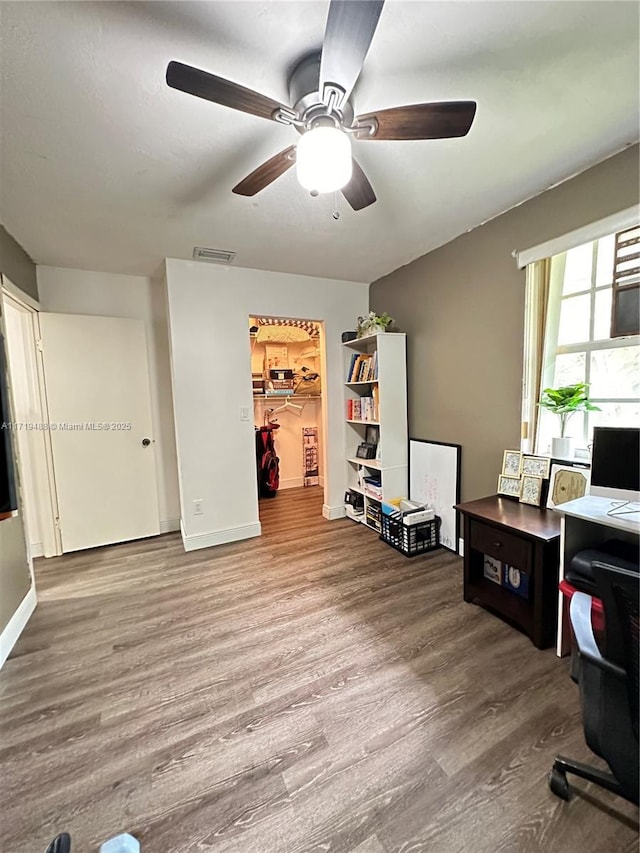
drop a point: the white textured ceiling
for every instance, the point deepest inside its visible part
(105, 168)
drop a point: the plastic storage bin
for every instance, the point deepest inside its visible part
(410, 540)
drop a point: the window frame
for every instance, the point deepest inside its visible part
(553, 349)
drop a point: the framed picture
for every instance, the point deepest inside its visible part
(531, 489)
(372, 434)
(538, 466)
(511, 463)
(366, 451)
(509, 486)
(566, 484)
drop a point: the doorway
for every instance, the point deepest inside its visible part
(32, 439)
(83, 428)
(287, 378)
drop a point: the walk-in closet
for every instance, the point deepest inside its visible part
(287, 382)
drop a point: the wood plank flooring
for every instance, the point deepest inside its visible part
(312, 691)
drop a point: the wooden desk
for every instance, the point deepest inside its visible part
(522, 536)
(587, 524)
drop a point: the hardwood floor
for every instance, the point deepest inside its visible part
(312, 691)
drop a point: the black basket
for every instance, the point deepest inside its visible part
(410, 539)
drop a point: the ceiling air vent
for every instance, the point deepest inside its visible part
(214, 256)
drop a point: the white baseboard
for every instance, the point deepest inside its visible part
(221, 537)
(169, 525)
(461, 546)
(16, 625)
(333, 512)
(291, 483)
(296, 483)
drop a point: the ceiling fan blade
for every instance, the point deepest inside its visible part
(193, 81)
(359, 192)
(422, 121)
(347, 37)
(266, 173)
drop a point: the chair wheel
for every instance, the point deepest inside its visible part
(558, 784)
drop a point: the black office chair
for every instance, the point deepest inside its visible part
(60, 844)
(608, 685)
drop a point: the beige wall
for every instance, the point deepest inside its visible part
(462, 307)
(15, 578)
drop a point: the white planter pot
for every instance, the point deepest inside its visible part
(370, 329)
(561, 448)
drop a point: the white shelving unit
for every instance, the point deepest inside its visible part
(391, 420)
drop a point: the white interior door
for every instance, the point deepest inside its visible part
(97, 384)
(33, 459)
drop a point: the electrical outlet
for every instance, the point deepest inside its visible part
(244, 413)
(197, 506)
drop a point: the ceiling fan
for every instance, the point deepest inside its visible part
(320, 89)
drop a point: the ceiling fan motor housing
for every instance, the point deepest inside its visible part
(304, 94)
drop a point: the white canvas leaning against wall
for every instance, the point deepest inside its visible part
(434, 478)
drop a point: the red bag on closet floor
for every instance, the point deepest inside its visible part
(268, 463)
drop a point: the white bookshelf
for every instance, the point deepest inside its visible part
(390, 388)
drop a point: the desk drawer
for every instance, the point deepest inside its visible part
(501, 545)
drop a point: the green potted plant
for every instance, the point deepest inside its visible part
(373, 323)
(565, 402)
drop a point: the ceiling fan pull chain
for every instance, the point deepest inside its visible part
(336, 212)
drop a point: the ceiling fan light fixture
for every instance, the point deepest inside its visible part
(323, 159)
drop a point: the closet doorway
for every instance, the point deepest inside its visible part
(287, 376)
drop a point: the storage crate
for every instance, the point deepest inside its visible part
(410, 540)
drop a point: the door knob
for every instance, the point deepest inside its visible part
(146, 442)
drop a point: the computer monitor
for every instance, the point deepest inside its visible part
(615, 463)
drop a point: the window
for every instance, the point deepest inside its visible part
(579, 348)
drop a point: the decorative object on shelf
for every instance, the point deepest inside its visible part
(565, 402)
(511, 463)
(531, 489)
(508, 486)
(538, 466)
(373, 323)
(372, 435)
(349, 336)
(366, 451)
(567, 484)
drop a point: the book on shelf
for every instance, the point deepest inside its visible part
(363, 367)
(362, 409)
(352, 366)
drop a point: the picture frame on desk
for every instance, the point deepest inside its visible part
(511, 463)
(567, 483)
(531, 489)
(509, 487)
(536, 466)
